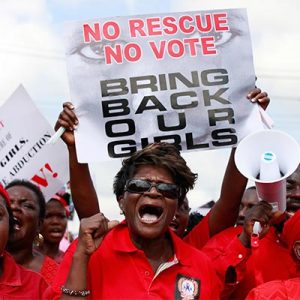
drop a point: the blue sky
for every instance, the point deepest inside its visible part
(32, 53)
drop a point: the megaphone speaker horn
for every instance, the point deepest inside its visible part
(268, 157)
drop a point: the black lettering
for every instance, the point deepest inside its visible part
(162, 126)
(12, 152)
(42, 141)
(172, 139)
(151, 84)
(162, 82)
(129, 124)
(144, 104)
(224, 137)
(3, 162)
(31, 153)
(216, 96)
(115, 108)
(25, 159)
(178, 76)
(217, 80)
(47, 135)
(176, 105)
(225, 114)
(190, 142)
(124, 151)
(114, 87)
(22, 142)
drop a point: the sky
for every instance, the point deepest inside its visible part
(32, 53)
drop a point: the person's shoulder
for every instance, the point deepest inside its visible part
(293, 282)
(268, 290)
(226, 235)
(25, 281)
(30, 277)
(27, 272)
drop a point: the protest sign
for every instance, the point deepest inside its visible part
(23, 150)
(176, 77)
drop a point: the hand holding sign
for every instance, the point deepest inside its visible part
(68, 120)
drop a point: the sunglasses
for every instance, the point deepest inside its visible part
(140, 186)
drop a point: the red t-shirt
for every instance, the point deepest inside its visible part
(49, 269)
(277, 289)
(271, 260)
(17, 282)
(118, 270)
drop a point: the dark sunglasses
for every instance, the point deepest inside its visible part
(140, 186)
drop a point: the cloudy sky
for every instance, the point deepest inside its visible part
(32, 53)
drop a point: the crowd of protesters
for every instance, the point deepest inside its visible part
(154, 253)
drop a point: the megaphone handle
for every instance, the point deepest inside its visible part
(254, 240)
(255, 234)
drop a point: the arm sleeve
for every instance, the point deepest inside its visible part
(199, 235)
(229, 257)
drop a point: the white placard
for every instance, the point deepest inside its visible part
(24, 153)
(176, 77)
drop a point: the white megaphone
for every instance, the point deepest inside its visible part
(268, 157)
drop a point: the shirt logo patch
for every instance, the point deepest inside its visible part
(187, 288)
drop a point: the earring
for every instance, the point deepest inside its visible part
(38, 240)
(121, 208)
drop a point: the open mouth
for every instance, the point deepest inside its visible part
(56, 232)
(17, 224)
(150, 214)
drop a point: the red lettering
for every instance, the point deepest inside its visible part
(132, 52)
(192, 45)
(136, 26)
(171, 28)
(208, 45)
(183, 27)
(220, 20)
(175, 48)
(42, 180)
(114, 27)
(160, 50)
(89, 32)
(152, 25)
(204, 26)
(113, 53)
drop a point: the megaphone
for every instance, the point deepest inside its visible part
(268, 157)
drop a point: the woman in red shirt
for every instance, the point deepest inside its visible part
(54, 227)
(28, 207)
(16, 282)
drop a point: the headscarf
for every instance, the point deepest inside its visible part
(4, 194)
(63, 202)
